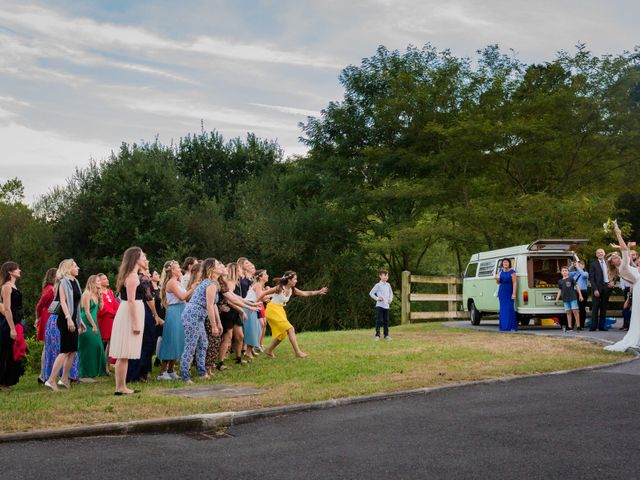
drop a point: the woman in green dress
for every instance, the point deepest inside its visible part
(93, 360)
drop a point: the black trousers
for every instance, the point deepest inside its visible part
(582, 306)
(599, 308)
(382, 320)
(626, 312)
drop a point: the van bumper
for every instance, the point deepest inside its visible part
(540, 311)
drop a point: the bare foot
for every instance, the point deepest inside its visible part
(189, 382)
(269, 354)
(301, 354)
(205, 377)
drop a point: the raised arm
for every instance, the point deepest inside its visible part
(310, 293)
(173, 287)
(267, 292)
(621, 242)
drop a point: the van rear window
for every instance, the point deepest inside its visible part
(545, 272)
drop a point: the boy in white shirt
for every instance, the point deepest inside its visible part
(383, 296)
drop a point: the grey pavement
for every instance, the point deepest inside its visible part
(577, 425)
(613, 335)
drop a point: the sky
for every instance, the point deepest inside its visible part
(79, 78)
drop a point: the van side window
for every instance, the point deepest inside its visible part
(471, 271)
(486, 268)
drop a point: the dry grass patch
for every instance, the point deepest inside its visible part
(341, 364)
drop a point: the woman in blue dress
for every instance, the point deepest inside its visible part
(507, 282)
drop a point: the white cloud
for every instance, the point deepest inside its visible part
(163, 105)
(289, 110)
(42, 159)
(82, 33)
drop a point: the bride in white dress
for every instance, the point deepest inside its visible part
(630, 274)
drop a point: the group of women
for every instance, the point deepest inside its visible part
(195, 314)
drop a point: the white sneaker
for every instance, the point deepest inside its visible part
(377, 338)
(387, 337)
(164, 376)
(174, 376)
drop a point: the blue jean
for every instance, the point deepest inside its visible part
(382, 317)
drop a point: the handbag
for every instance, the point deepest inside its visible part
(55, 308)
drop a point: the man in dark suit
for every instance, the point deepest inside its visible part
(601, 287)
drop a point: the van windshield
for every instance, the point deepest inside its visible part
(544, 272)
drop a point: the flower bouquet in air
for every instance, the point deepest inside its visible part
(610, 225)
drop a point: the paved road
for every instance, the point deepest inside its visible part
(582, 425)
(613, 335)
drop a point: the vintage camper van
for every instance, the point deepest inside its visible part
(537, 268)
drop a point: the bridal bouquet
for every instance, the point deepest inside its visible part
(610, 225)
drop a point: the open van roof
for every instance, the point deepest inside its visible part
(554, 245)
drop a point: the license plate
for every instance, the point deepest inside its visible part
(549, 298)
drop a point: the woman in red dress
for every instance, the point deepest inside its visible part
(42, 309)
(108, 311)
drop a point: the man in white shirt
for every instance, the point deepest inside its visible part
(601, 286)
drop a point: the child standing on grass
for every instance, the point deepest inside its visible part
(383, 296)
(570, 293)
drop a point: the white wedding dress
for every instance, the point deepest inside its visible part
(632, 338)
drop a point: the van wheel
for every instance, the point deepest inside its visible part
(523, 320)
(474, 314)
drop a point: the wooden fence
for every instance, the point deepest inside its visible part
(452, 297)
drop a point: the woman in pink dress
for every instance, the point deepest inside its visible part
(108, 311)
(126, 335)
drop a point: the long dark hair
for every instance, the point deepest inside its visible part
(6, 269)
(129, 260)
(49, 277)
(284, 279)
(207, 267)
(189, 261)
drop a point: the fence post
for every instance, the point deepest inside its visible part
(406, 291)
(452, 290)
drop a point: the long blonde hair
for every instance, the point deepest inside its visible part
(164, 280)
(64, 271)
(232, 275)
(92, 288)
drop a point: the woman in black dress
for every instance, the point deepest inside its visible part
(12, 315)
(68, 293)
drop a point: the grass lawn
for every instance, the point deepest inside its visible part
(340, 364)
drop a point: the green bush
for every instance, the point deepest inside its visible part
(34, 354)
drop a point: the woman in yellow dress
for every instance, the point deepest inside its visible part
(277, 316)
